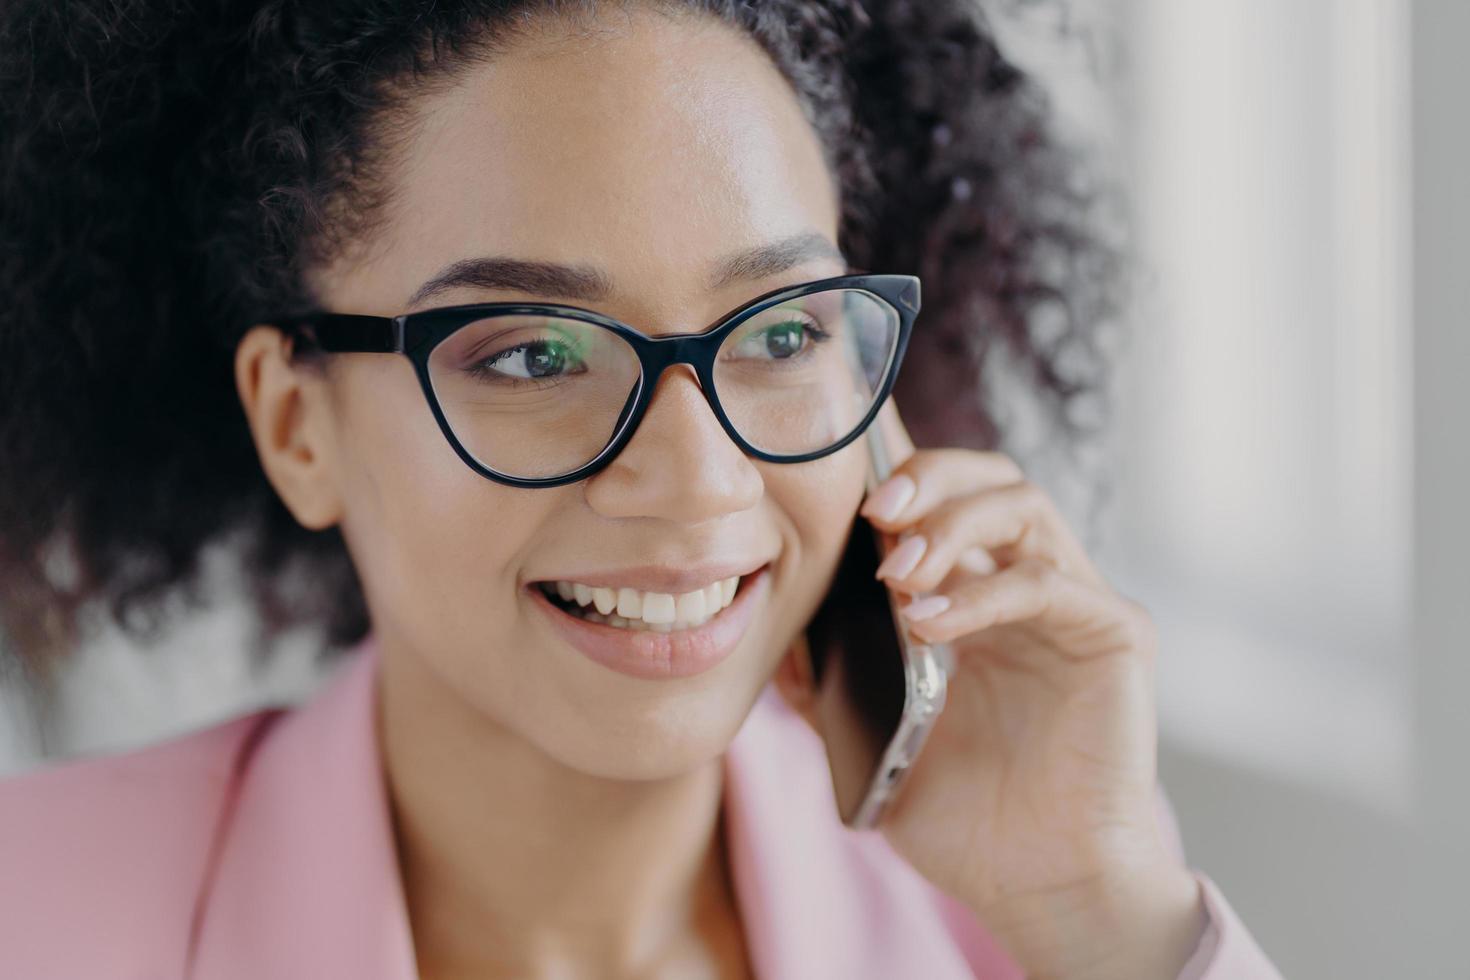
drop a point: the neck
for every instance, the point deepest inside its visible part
(513, 863)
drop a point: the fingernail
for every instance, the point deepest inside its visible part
(903, 559)
(930, 605)
(890, 497)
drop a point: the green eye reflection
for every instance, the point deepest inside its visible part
(783, 341)
(543, 359)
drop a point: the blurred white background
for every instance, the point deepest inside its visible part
(1289, 450)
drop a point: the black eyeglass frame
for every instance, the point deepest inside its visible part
(415, 335)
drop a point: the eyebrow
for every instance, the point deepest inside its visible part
(586, 282)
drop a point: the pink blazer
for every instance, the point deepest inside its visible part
(261, 847)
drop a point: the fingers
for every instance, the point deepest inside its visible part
(945, 503)
(929, 477)
(1080, 616)
(993, 519)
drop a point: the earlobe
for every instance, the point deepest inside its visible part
(286, 429)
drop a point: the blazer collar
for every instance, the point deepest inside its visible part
(305, 880)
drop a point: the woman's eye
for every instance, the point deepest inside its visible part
(532, 361)
(781, 341)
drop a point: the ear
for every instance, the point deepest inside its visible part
(793, 680)
(290, 421)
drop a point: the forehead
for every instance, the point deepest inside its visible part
(650, 146)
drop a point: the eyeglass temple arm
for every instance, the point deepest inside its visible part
(348, 332)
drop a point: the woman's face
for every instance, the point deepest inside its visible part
(651, 149)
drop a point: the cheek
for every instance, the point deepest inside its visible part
(433, 541)
(819, 500)
(822, 496)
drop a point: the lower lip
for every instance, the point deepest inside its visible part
(661, 656)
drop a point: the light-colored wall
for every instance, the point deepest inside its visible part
(1316, 756)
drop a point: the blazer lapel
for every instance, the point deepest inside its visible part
(306, 881)
(817, 898)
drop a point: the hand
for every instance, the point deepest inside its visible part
(1034, 799)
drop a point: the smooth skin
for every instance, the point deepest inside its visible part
(555, 818)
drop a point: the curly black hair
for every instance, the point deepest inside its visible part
(170, 169)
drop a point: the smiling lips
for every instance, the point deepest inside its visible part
(636, 609)
(656, 651)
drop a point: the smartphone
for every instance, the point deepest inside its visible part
(878, 690)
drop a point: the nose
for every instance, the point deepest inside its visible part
(680, 465)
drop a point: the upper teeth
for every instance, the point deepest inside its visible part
(653, 607)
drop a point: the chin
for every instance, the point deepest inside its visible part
(657, 735)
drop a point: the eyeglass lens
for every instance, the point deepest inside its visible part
(536, 396)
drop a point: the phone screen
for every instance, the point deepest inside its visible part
(857, 668)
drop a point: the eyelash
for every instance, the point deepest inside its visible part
(810, 330)
(481, 370)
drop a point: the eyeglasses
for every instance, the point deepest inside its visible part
(543, 394)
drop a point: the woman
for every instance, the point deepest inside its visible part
(548, 750)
